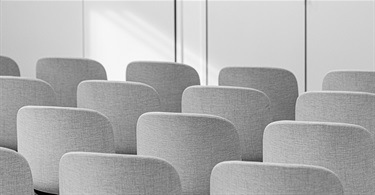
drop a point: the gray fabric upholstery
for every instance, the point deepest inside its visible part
(248, 109)
(169, 79)
(242, 178)
(350, 80)
(16, 92)
(343, 107)
(192, 143)
(116, 174)
(64, 75)
(15, 174)
(8, 67)
(46, 133)
(280, 85)
(122, 103)
(345, 149)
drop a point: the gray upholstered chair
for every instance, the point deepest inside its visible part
(350, 80)
(280, 85)
(343, 107)
(345, 149)
(64, 75)
(192, 143)
(123, 103)
(45, 134)
(169, 79)
(8, 67)
(116, 174)
(244, 178)
(248, 109)
(15, 174)
(16, 92)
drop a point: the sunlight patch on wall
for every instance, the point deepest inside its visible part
(115, 37)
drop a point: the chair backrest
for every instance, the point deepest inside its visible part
(248, 109)
(350, 80)
(342, 107)
(16, 92)
(345, 149)
(192, 143)
(279, 85)
(64, 75)
(15, 174)
(233, 177)
(116, 174)
(123, 103)
(8, 67)
(47, 133)
(169, 79)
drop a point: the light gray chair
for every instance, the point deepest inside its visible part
(248, 109)
(15, 174)
(64, 75)
(8, 67)
(242, 178)
(350, 80)
(169, 79)
(116, 174)
(345, 149)
(342, 107)
(16, 92)
(45, 134)
(280, 85)
(192, 143)
(123, 103)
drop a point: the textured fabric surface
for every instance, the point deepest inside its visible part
(122, 103)
(192, 143)
(247, 109)
(15, 174)
(116, 174)
(350, 80)
(280, 85)
(343, 107)
(46, 133)
(8, 67)
(64, 75)
(242, 178)
(345, 149)
(167, 78)
(16, 92)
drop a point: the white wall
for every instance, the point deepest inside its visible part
(240, 33)
(256, 33)
(1, 7)
(118, 32)
(340, 36)
(111, 32)
(31, 30)
(191, 35)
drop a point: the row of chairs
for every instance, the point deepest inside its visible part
(87, 173)
(193, 144)
(168, 79)
(124, 102)
(171, 79)
(350, 150)
(216, 94)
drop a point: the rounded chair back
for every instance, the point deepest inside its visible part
(192, 143)
(45, 134)
(248, 109)
(169, 79)
(123, 103)
(64, 75)
(345, 149)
